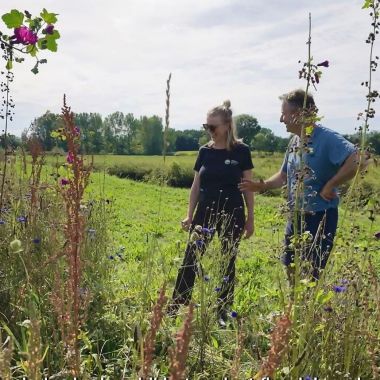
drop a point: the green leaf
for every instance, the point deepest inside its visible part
(13, 19)
(32, 50)
(49, 18)
(35, 69)
(51, 43)
(367, 4)
(9, 65)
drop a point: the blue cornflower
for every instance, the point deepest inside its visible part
(22, 219)
(111, 257)
(36, 241)
(206, 231)
(234, 314)
(2, 221)
(199, 243)
(218, 289)
(308, 378)
(339, 289)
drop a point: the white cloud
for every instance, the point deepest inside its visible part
(117, 55)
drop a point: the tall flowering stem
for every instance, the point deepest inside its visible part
(72, 190)
(150, 338)
(179, 354)
(369, 112)
(279, 345)
(167, 116)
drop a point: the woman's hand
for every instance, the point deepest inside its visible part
(186, 223)
(249, 227)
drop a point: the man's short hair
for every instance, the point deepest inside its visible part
(296, 98)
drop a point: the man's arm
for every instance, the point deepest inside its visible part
(346, 172)
(277, 180)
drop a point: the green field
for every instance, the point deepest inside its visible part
(133, 246)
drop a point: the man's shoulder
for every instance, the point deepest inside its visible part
(327, 132)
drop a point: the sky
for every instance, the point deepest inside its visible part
(117, 55)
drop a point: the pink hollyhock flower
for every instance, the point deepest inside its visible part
(70, 158)
(25, 36)
(76, 131)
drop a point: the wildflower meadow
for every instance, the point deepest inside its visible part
(90, 247)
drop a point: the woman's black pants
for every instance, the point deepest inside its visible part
(228, 222)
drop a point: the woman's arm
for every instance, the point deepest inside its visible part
(249, 201)
(193, 201)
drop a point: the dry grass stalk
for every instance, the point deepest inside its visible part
(179, 354)
(6, 350)
(150, 338)
(279, 344)
(239, 349)
(167, 115)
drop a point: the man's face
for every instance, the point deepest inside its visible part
(289, 117)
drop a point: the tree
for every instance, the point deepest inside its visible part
(91, 127)
(151, 135)
(43, 126)
(247, 127)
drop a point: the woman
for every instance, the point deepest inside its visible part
(220, 166)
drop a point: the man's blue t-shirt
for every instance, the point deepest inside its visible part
(327, 152)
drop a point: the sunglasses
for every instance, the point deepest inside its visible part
(210, 127)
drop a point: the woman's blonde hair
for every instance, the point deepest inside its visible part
(225, 112)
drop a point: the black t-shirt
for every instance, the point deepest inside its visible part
(220, 169)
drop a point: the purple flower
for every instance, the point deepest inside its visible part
(308, 378)
(234, 314)
(344, 281)
(324, 64)
(24, 35)
(76, 131)
(70, 158)
(199, 243)
(339, 289)
(206, 231)
(49, 29)
(111, 257)
(64, 181)
(206, 278)
(2, 221)
(36, 241)
(22, 219)
(377, 235)
(218, 289)
(329, 309)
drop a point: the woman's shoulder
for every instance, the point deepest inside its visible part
(240, 146)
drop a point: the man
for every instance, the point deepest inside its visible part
(329, 161)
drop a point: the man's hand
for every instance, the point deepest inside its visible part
(248, 185)
(328, 192)
(249, 228)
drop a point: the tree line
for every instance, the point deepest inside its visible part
(124, 134)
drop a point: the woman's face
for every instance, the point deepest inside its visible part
(217, 128)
